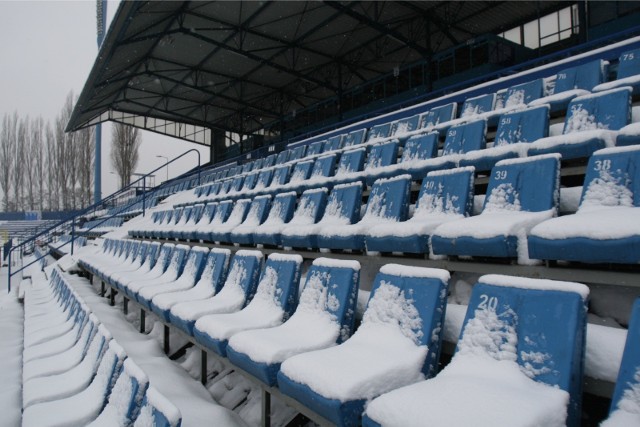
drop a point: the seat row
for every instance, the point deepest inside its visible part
(75, 373)
(526, 336)
(98, 227)
(517, 219)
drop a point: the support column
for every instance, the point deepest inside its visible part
(203, 367)
(167, 347)
(125, 306)
(112, 297)
(266, 408)
(142, 321)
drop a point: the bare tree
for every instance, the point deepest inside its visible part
(85, 153)
(20, 153)
(31, 142)
(125, 143)
(52, 171)
(38, 152)
(8, 139)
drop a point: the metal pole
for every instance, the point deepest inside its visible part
(144, 194)
(73, 233)
(9, 273)
(166, 159)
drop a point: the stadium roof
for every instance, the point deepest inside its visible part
(182, 68)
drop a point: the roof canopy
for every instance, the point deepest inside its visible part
(183, 68)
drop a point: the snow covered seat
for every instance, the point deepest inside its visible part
(401, 127)
(478, 105)
(174, 269)
(157, 411)
(264, 179)
(187, 232)
(522, 94)
(315, 148)
(379, 157)
(324, 317)
(355, 137)
(521, 194)
(514, 129)
(628, 73)
(220, 232)
(239, 286)
(518, 362)
(220, 215)
(397, 343)
(444, 196)
(606, 227)
(146, 262)
(333, 143)
(258, 212)
(629, 135)
(437, 117)
(350, 163)
(66, 326)
(625, 403)
(297, 153)
(168, 233)
(125, 399)
(591, 123)
(342, 208)
(269, 161)
(301, 172)
(280, 175)
(324, 166)
(246, 168)
(274, 302)
(85, 406)
(465, 137)
(236, 185)
(281, 212)
(140, 230)
(379, 131)
(140, 277)
(163, 231)
(225, 187)
(189, 275)
(250, 181)
(573, 82)
(71, 381)
(419, 156)
(388, 203)
(178, 233)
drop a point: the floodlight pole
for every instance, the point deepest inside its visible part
(101, 17)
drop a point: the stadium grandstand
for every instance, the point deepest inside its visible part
(415, 214)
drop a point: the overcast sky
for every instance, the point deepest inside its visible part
(47, 50)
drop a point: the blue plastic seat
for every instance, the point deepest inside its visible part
(297, 153)
(436, 117)
(315, 148)
(521, 194)
(258, 164)
(172, 272)
(157, 411)
(324, 166)
(282, 157)
(185, 218)
(628, 73)
(250, 181)
(379, 157)
(211, 280)
(526, 370)
(236, 184)
(444, 196)
(478, 105)
(465, 137)
(188, 231)
(301, 172)
(282, 212)
(225, 187)
(591, 123)
(379, 131)
(274, 302)
(400, 127)
(238, 288)
(343, 207)
(397, 344)
(280, 175)
(522, 94)
(247, 167)
(333, 143)
(353, 138)
(388, 203)
(220, 233)
(264, 179)
(419, 156)
(610, 198)
(351, 161)
(269, 161)
(116, 279)
(327, 307)
(222, 212)
(258, 211)
(514, 129)
(625, 395)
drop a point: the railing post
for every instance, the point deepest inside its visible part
(73, 233)
(144, 194)
(9, 273)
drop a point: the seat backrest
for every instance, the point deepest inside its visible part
(612, 178)
(333, 143)
(186, 214)
(324, 166)
(258, 210)
(194, 264)
(523, 93)
(437, 115)
(239, 211)
(354, 137)
(279, 282)
(282, 208)
(629, 64)
(310, 207)
(539, 324)
(258, 164)
(351, 161)
(214, 189)
(151, 256)
(523, 126)
(208, 212)
(379, 131)
(283, 157)
(389, 199)
(109, 369)
(585, 76)
(297, 153)
(280, 175)
(223, 210)
(332, 287)
(177, 215)
(446, 192)
(127, 394)
(478, 105)
(157, 411)
(215, 269)
(226, 186)
(610, 110)
(236, 184)
(402, 126)
(244, 272)
(141, 253)
(628, 382)
(301, 171)
(269, 161)
(414, 299)
(164, 258)
(382, 155)
(196, 213)
(315, 148)
(177, 261)
(343, 205)
(525, 184)
(264, 179)
(246, 168)
(465, 137)
(250, 181)
(420, 147)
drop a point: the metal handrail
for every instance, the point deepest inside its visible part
(72, 220)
